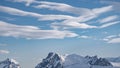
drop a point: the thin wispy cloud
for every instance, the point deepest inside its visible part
(111, 36)
(71, 9)
(112, 39)
(115, 4)
(109, 19)
(66, 22)
(4, 52)
(32, 32)
(109, 24)
(74, 24)
(79, 22)
(84, 37)
(63, 7)
(102, 10)
(8, 18)
(27, 2)
(71, 22)
(14, 11)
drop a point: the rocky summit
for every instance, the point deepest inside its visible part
(9, 63)
(53, 60)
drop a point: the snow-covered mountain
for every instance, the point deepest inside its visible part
(54, 60)
(9, 63)
(115, 61)
(98, 61)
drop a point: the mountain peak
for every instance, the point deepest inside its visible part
(11, 60)
(53, 60)
(52, 54)
(94, 60)
(9, 63)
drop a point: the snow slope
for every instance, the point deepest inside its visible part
(115, 61)
(116, 64)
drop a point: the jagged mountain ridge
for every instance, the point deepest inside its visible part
(98, 61)
(9, 63)
(54, 60)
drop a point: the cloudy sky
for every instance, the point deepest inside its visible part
(30, 29)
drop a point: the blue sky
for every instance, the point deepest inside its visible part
(30, 29)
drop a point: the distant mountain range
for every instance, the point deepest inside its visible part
(54, 60)
(116, 59)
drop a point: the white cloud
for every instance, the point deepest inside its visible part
(70, 9)
(4, 52)
(18, 12)
(55, 17)
(67, 21)
(108, 19)
(105, 39)
(102, 10)
(84, 37)
(70, 24)
(115, 4)
(111, 36)
(28, 2)
(63, 7)
(14, 11)
(109, 24)
(77, 23)
(114, 40)
(32, 32)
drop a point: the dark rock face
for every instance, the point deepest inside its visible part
(53, 60)
(98, 61)
(8, 63)
(102, 62)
